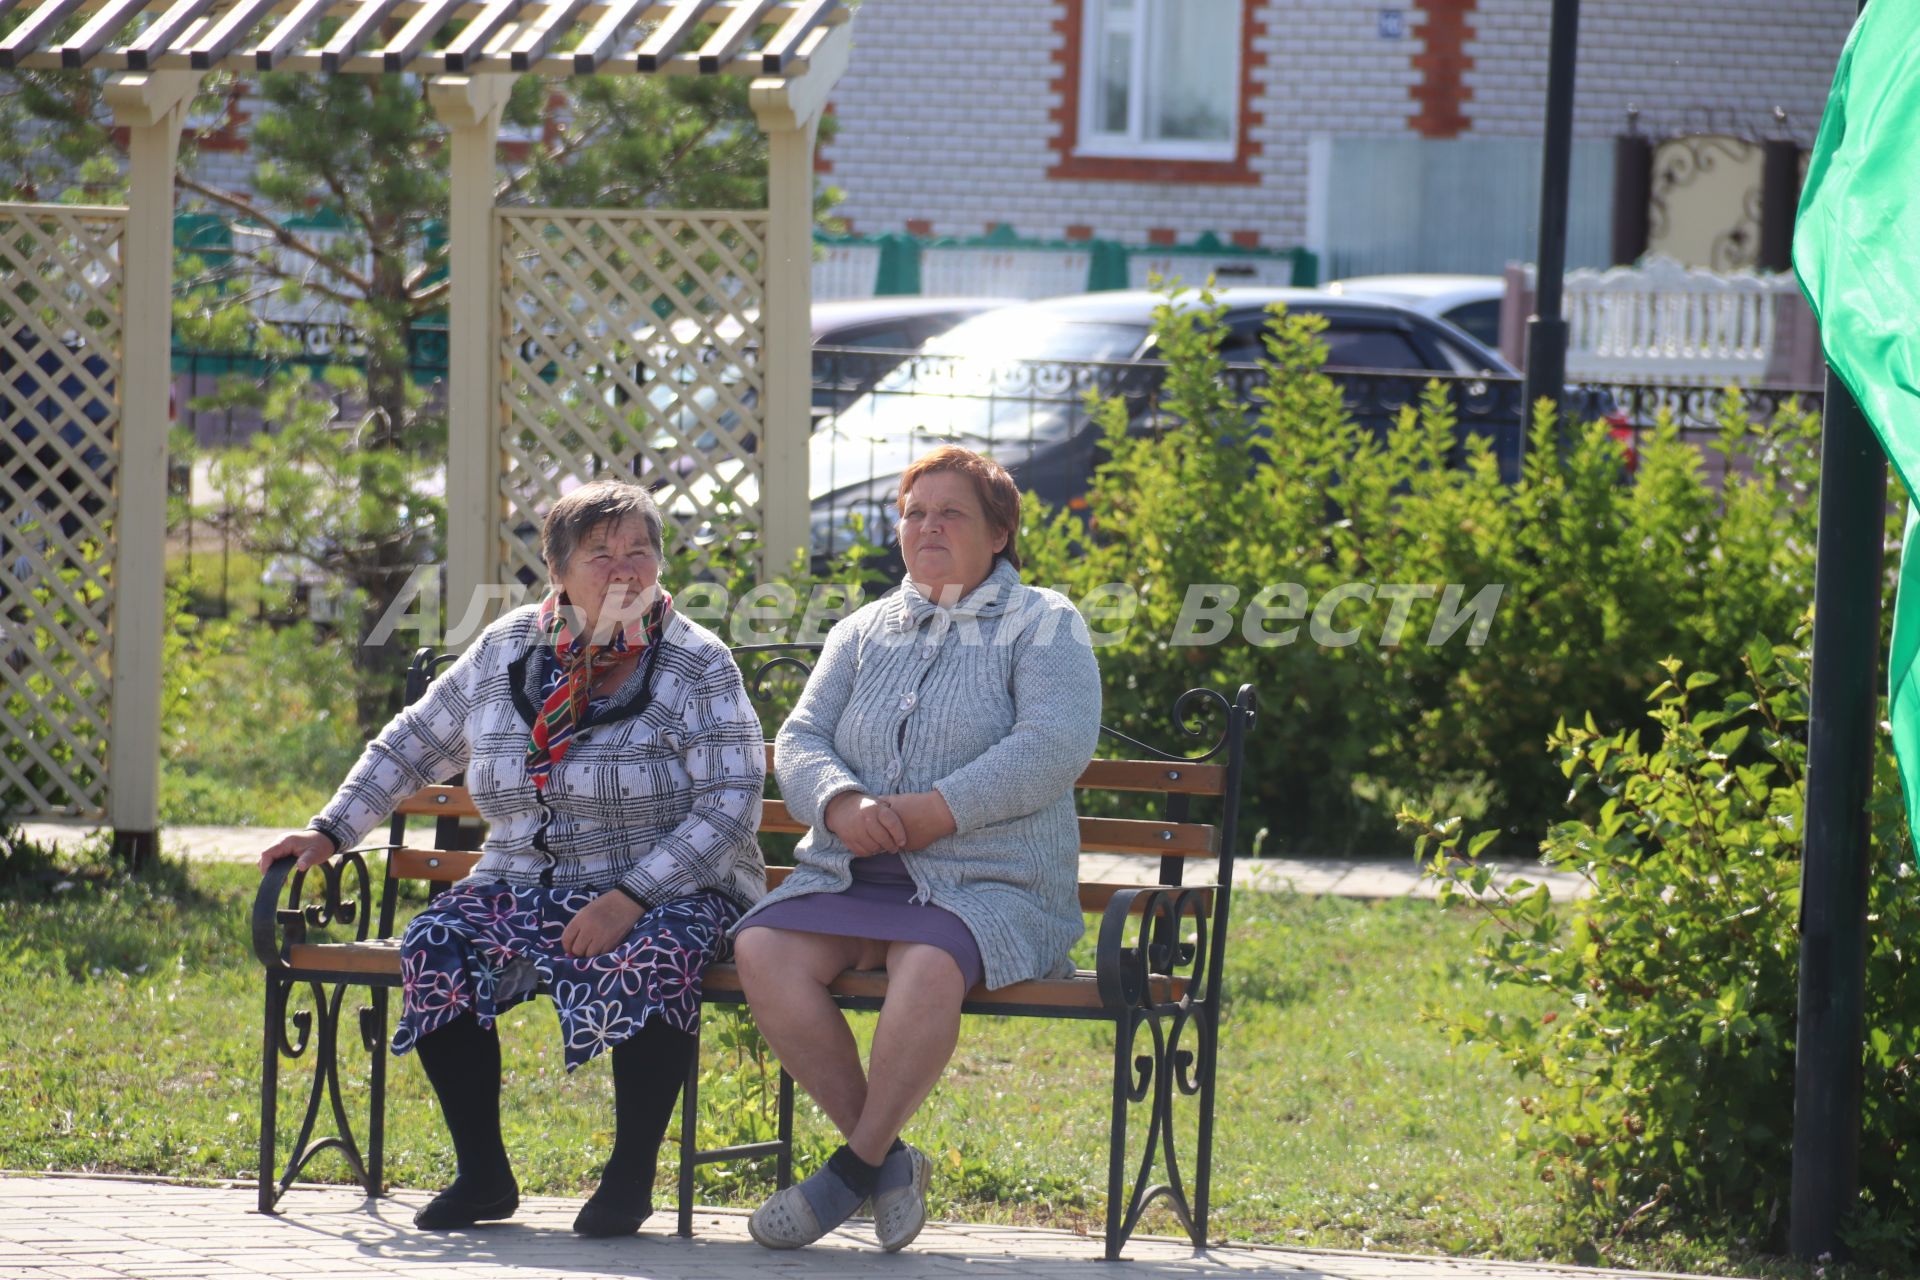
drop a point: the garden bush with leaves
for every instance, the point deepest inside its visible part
(1602, 571)
(1657, 1081)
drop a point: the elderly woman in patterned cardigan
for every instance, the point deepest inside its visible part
(934, 753)
(610, 745)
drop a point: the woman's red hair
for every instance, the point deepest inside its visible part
(999, 496)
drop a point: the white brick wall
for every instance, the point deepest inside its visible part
(944, 112)
(1674, 59)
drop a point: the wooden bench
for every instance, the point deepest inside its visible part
(1156, 976)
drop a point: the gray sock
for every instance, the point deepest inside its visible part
(896, 1170)
(839, 1188)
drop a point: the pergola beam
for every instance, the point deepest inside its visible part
(498, 36)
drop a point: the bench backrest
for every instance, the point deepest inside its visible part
(1175, 838)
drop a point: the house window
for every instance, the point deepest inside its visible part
(1161, 78)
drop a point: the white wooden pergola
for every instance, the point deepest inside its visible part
(560, 323)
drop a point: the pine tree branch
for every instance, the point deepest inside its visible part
(570, 143)
(277, 230)
(305, 280)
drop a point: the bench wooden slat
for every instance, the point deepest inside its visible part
(438, 802)
(1097, 835)
(447, 864)
(1171, 776)
(382, 959)
(1102, 775)
(431, 864)
(1094, 894)
(377, 958)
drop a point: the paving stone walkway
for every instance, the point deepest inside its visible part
(1342, 877)
(77, 1228)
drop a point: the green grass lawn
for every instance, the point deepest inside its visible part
(131, 1043)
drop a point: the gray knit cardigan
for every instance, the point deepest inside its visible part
(995, 703)
(659, 791)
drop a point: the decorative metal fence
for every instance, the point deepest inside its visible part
(876, 410)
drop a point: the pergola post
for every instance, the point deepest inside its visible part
(153, 107)
(786, 364)
(470, 107)
(789, 114)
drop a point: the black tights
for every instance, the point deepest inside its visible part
(462, 1061)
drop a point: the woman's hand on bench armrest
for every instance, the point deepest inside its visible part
(307, 847)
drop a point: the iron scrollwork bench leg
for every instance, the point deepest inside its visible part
(1138, 981)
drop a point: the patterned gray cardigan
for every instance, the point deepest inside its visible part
(659, 791)
(994, 703)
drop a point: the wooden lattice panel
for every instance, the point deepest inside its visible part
(630, 346)
(60, 368)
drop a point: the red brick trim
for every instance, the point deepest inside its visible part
(1246, 239)
(1071, 24)
(1442, 91)
(1079, 231)
(920, 226)
(230, 133)
(1162, 237)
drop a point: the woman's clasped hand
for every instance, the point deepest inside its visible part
(888, 824)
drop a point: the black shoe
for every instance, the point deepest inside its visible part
(450, 1212)
(604, 1215)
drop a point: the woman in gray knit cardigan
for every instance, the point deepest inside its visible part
(934, 754)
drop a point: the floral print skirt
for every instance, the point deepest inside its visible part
(489, 946)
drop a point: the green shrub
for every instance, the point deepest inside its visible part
(1601, 572)
(1659, 1084)
(257, 722)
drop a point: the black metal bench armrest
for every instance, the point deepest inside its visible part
(1158, 918)
(277, 927)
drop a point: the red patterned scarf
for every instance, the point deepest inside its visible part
(580, 662)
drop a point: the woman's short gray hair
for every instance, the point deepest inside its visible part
(589, 507)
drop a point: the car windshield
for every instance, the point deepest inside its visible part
(990, 384)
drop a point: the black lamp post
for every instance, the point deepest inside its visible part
(1546, 373)
(1833, 860)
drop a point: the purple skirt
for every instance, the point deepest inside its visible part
(877, 906)
(489, 947)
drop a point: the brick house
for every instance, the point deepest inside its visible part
(1385, 136)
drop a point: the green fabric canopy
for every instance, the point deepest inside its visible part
(1856, 250)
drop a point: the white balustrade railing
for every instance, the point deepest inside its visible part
(993, 272)
(845, 271)
(1660, 321)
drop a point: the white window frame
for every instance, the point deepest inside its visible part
(1134, 145)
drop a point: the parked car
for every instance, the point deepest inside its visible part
(685, 408)
(897, 324)
(986, 384)
(900, 323)
(1471, 303)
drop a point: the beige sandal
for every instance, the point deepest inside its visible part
(785, 1221)
(900, 1212)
